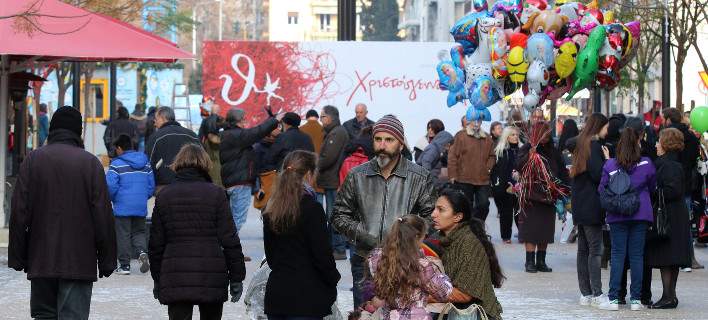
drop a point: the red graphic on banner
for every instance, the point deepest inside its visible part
(366, 84)
(250, 75)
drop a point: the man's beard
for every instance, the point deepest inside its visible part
(384, 158)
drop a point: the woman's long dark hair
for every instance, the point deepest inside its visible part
(460, 203)
(581, 153)
(398, 271)
(570, 130)
(629, 152)
(283, 207)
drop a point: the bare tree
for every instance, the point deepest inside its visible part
(647, 53)
(686, 16)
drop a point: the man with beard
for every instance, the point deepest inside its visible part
(378, 192)
(469, 164)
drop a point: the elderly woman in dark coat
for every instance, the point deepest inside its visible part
(537, 218)
(195, 253)
(674, 251)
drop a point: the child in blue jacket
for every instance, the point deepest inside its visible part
(130, 184)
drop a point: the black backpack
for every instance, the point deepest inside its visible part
(619, 196)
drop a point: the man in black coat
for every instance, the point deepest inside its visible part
(62, 224)
(360, 121)
(121, 125)
(687, 157)
(164, 145)
(289, 140)
(238, 168)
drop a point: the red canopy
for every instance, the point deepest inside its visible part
(67, 32)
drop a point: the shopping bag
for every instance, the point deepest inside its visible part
(473, 312)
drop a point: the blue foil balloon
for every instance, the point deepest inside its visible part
(478, 114)
(482, 92)
(464, 31)
(480, 5)
(539, 46)
(452, 79)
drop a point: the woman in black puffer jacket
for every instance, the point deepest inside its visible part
(195, 253)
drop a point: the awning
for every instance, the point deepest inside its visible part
(70, 33)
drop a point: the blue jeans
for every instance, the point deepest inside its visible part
(339, 243)
(627, 240)
(240, 199)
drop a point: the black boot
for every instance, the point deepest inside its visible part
(531, 262)
(541, 262)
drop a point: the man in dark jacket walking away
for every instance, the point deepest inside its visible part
(61, 227)
(164, 145)
(290, 140)
(360, 121)
(118, 126)
(377, 193)
(330, 161)
(238, 167)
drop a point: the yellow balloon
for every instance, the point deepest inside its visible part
(516, 65)
(609, 16)
(565, 60)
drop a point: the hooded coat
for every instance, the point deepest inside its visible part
(431, 157)
(130, 184)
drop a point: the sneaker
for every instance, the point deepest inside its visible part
(636, 305)
(597, 301)
(585, 300)
(122, 270)
(144, 262)
(610, 305)
(686, 269)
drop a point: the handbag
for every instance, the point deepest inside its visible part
(473, 312)
(661, 219)
(267, 179)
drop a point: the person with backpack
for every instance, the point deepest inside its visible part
(589, 156)
(625, 187)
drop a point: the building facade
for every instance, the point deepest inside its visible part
(430, 20)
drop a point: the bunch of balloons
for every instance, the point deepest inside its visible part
(526, 44)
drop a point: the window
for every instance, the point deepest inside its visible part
(98, 103)
(292, 17)
(325, 20)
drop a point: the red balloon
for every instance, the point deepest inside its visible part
(540, 4)
(597, 14)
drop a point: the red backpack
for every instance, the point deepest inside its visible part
(357, 158)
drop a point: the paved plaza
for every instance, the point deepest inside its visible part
(523, 296)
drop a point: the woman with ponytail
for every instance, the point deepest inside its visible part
(627, 232)
(468, 255)
(403, 278)
(297, 245)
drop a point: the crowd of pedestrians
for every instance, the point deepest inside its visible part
(413, 226)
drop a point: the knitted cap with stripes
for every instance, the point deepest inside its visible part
(391, 125)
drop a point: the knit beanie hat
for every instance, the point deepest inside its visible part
(391, 125)
(66, 118)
